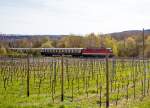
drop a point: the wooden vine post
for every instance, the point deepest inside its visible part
(28, 75)
(107, 82)
(62, 78)
(144, 86)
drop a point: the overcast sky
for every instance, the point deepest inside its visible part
(73, 16)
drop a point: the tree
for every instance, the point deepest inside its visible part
(91, 41)
(47, 44)
(45, 39)
(3, 50)
(71, 41)
(121, 48)
(61, 42)
(131, 46)
(147, 51)
(110, 42)
(36, 42)
(147, 47)
(24, 43)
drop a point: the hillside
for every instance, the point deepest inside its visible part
(129, 33)
(12, 37)
(118, 35)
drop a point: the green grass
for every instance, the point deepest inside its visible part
(84, 75)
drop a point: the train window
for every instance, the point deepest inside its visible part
(76, 51)
(65, 51)
(79, 50)
(57, 50)
(51, 50)
(68, 50)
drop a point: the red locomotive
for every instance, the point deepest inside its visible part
(97, 52)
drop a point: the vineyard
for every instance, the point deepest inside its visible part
(28, 81)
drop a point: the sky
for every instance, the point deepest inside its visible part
(73, 16)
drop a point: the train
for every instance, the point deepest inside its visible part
(74, 52)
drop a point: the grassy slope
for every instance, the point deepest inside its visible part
(141, 104)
